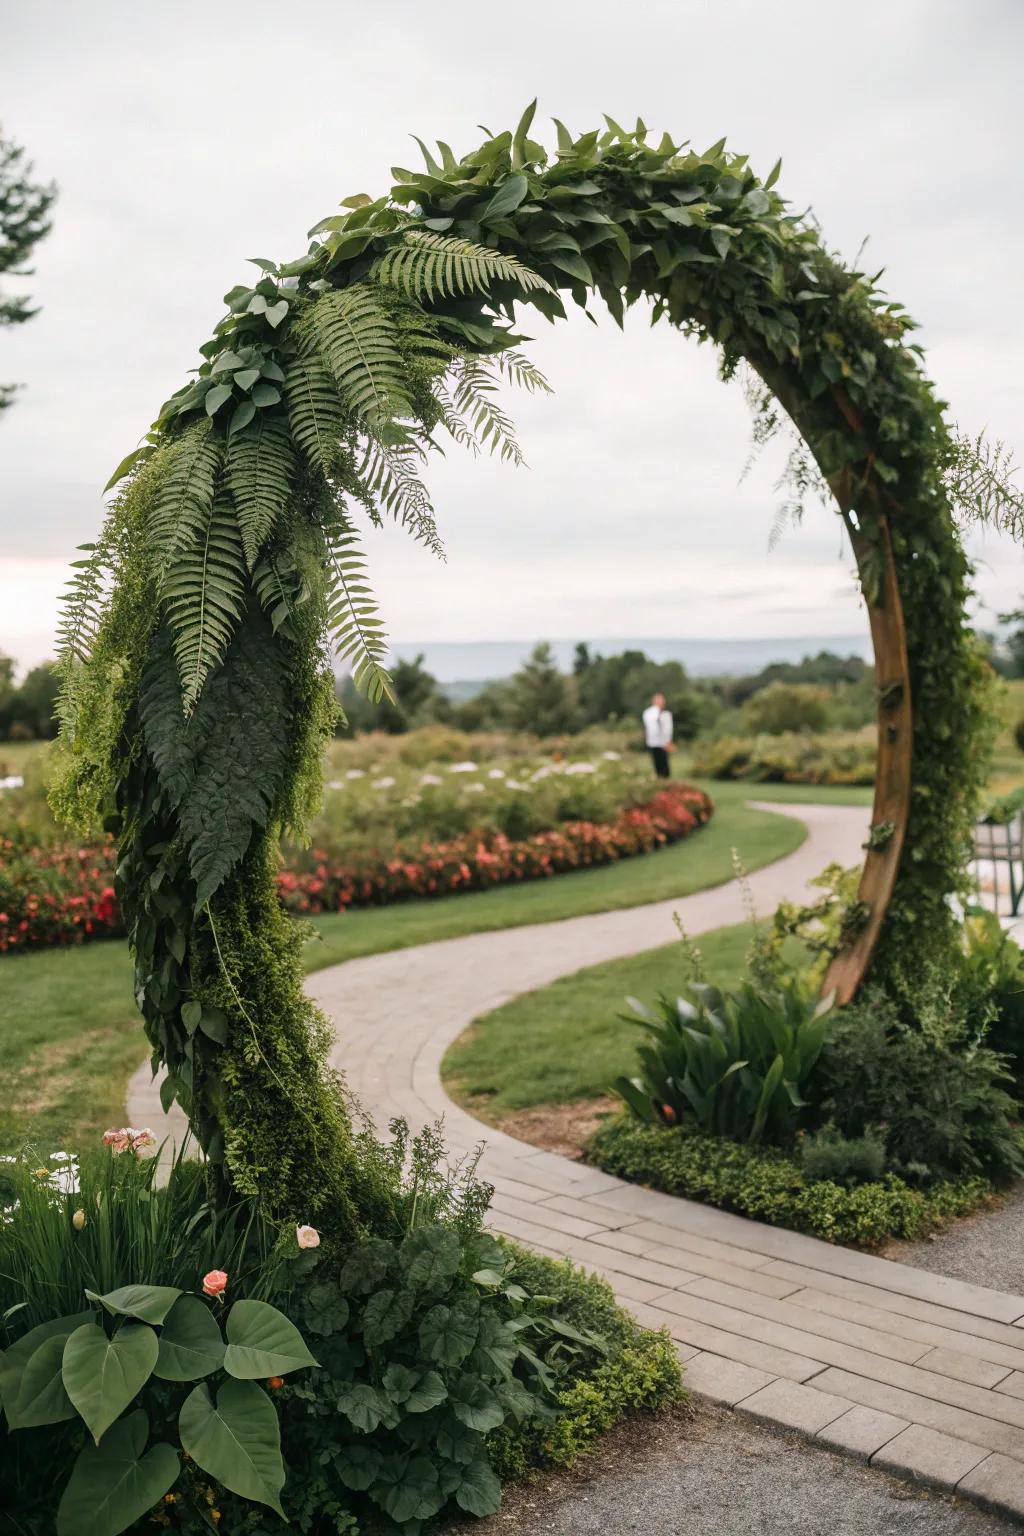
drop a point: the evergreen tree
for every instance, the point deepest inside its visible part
(24, 221)
(541, 699)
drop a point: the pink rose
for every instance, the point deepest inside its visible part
(118, 1141)
(215, 1283)
(307, 1237)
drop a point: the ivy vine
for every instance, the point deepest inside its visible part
(197, 682)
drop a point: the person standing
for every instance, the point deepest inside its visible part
(658, 734)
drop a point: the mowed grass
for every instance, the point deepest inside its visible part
(568, 1041)
(70, 1036)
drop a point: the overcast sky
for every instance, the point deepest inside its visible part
(188, 137)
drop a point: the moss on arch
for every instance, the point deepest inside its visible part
(316, 399)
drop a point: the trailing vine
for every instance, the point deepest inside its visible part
(197, 675)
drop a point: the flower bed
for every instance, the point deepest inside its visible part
(60, 895)
(477, 863)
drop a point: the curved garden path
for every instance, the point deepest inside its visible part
(922, 1373)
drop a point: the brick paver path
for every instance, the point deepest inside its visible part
(921, 1373)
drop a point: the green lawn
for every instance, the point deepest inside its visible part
(567, 1041)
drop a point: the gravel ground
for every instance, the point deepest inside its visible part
(987, 1248)
(716, 1474)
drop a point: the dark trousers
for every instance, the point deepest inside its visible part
(659, 757)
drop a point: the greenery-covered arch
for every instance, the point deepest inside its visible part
(198, 689)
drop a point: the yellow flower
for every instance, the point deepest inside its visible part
(78, 1220)
(41, 1173)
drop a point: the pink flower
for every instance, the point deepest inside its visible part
(118, 1141)
(307, 1237)
(215, 1283)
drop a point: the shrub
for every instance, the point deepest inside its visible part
(830, 1157)
(945, 1108)
(786, 707)
(997, 962)
(732, 1064)
(1018, 735)
(838, 757)
(770, 1185)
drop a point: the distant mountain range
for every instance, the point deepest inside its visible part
(464, 666)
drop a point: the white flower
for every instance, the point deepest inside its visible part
(515, 784)
(474, 789)
(431, 778)
(387, 782)
(307, 1237)
(335, 784)
(612, 757)
(78, 1220)
(495, 773)
(581, 768)
(63, 1157)
(542, 773)
(462, 768)
(355, 773)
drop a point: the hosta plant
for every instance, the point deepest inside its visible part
(734, 1064)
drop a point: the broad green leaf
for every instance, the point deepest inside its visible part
(41, 1396)
(475, 1404)
(241, 417)
(358, 1466)
(128, 462)
(276, 312)
(149, 1303)
(237, 1440)
(385, 1315)
(479, 1492)
(430, 1257)
(247, 377)
(114, 1484)
(417, 1495)
(509, 195)
(262, 1342)
(264, 395)
(365, 1406)
(415, 1391)
(218, 396)
(447, 1334)
(101, 1375)
(14, 1360)
(190, 1342)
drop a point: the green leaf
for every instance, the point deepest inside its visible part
(261, 471)
(475, 1404)
(238, 1441)
(430, 1257)
(217, 396)
(358, 1466)
(366, 1407)
(247, 377)
(417, 1495)
(190, 1342)
(101, 1375)
(262, 1342)
(41, 1396)
(519, 138)
(128, 462)
(14, 1360)
(113, 1485)
(149, 1303)
(509, 195)
(479, 1492)
(264, 395)
(447, 1334)
(241, 417)
(385, 1315)
(191, 1013)
(429, 1392)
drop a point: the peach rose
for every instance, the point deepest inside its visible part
(215, 1283)
(307, 1237)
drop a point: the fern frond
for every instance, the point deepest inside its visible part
(454, 424)
(518, 369)
(281, 588)
(387, 476)
(428, 265)
(182, 505)
(474, 388)
(81, 609)
(315, 412)
(355, 625)
(204, 596)
(357, 341)
(260, 474)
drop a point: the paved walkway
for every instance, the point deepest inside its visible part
(921, 1373)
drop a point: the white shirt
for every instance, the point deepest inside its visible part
(657, 726)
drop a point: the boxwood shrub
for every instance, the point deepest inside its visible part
(770, 1185)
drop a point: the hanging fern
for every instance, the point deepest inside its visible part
(427, 265)
(315, 412)
(354, 622)
(474, 388)
(82, 602)
(204, 596)
(387, 477)
(357, 341)
(519, 370)
(260, 472)
(182, 507)
(281, 588)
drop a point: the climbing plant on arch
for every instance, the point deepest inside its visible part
(198, 689)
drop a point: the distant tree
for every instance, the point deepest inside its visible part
(826, 668)
(419, 700)
(24, 221)
(1008, 654)
(619, 687)
(540, 699)
(581, 659)
(27, 710)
